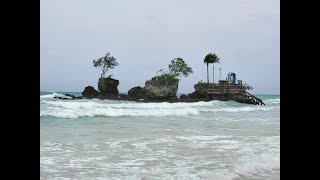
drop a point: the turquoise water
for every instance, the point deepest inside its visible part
(104, 139)
(59, 92)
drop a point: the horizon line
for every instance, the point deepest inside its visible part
(177, 92)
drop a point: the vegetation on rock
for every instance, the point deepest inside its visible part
(203, 85)
(177, 68)
(165, 79)
(105, 63)
(210, 58)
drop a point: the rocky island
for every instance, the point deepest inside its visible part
(164, 87)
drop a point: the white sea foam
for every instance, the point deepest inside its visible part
(75, 109)
(272, 101)
(249, 157)
(113, 112)
(91, 108)
(241, 109)
(51, 96)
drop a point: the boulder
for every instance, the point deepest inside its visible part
(70, 95)
(62, 97)
(197, 95)
(159, 90)
(90, 92)
(136, 93)
(123, 96)
(108, 88)
(183, 96)
(197, 87)
(67, 96)
(174, 98)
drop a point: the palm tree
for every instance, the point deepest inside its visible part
(210, 58)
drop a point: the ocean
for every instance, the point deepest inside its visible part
(106, 139)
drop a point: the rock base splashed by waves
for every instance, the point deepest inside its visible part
(92, 108)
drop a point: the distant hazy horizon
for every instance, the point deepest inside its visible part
(145, 36)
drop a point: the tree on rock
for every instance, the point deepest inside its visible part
(210, 58)
(178, 68)
(105, 63)
(165, 85)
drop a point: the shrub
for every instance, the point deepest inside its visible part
(166, 79)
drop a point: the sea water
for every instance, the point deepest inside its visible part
(106, 139)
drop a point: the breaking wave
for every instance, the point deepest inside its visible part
(251, 156)
(91, 108)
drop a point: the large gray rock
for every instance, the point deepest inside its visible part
(157, 90)
(201, 86)
(136, 93)
(197, 87)
(90, 92)
(108, 88)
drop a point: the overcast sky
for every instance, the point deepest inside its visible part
(144, 35)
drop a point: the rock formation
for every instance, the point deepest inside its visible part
(108, 88)
(183, 96)
(90, 92)
(67, 96)
(159, 90)
(137, 93)
(196, 95)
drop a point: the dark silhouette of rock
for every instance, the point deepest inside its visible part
(67, 96)
(157, 90)
(136, 93)
(174, 98)
(197, 95)
(123, 97)
(108, 88)
(90, 92)
(62, 97)
(197, 87)
(183, 96)
(108, 96)
(70, 95)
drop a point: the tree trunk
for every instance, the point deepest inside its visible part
(103, 74)
(208, 72)
(213, 74)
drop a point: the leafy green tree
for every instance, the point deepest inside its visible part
(178, 68)
(210, 58)
(105, 63)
